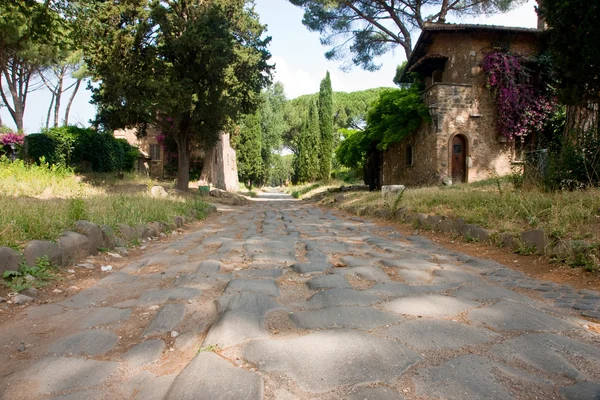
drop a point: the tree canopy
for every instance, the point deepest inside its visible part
(366, 29)
(189, 67)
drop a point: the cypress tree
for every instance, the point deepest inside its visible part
(306, 165)
(325, 128)
(249, 146)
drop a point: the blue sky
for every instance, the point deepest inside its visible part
(299, 59)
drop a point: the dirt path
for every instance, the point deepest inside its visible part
(282, 300)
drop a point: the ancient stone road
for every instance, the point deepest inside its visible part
(288, 301)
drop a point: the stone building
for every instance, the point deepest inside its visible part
(461, 144)
(152, 156)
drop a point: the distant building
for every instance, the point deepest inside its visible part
(152, 156)
(461, 144)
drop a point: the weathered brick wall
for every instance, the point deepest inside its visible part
(464, 106)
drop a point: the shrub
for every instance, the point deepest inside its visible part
(40, 146)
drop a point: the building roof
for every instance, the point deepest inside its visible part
(430, 29)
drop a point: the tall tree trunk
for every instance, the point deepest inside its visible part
(68, 110)
(183, 161)
(59, 91)
(50, 110)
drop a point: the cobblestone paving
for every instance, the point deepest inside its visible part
(282, 300)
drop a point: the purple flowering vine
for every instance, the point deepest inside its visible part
(9, 138)
(523, 104)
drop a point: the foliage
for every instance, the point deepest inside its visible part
(248, 150)
(30, 34)
(397, 114)
(72, 146)
(352, 150)
(191, 67)
(524, 96)
(28, 276)
(281, 169)
(41, 146)
(574, 162)
(573, 36)
(12, 138)
(325, 128)
(306, 160)
(367, 29)
(273, 125)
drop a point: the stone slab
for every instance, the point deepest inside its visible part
(56, 374)
(439, 335)
(582, 391)
(169, 316)
(364, 318)
(144, 353)
(510, 316)
(351, 261)
(264, 286)
(311, 267)
(209, 267)
(430, 305)
(378, 393)
(87, 297)
(235, 327)
(485, 292)
(91, 342)
(369, 273)
(247, 302)
(102, 316)
(340, 297)
(469, 377)
(328, 282)
(309, 360)
(208, 377)
(410, 263)
(553, 354)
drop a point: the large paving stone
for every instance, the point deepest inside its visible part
(485, 292)
(445, 276)
(261, 272)
(344, 317)
(56, 374)
(248, 302)
(414, 276)
(90, 297)
(582, 391)
(468, 377)
(340, 297)
(117, 278)
(321, 361)
(438, 335)
(311, 267)
(209, 377)
(160, 296)
(510, 316)
(430, 305)
(553, 354)
(165, 320)
(91, 342)
(398, 289)
(144, 353)
(328, 282)
(351, 261)
(155, 388)
(274, 257)
(264, 286)
(208, 267)
(235, 327)
(378, 393)
(410, 263)
(369, 273)
(102, 316)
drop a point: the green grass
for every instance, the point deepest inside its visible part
(564, 214)
(40, 202)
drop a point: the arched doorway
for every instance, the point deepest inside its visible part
(459, 159)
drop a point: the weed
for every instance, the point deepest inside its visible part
(76, 210)
(212, 348)
(28, 276)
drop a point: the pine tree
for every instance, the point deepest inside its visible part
(325, 128)
(249, 146)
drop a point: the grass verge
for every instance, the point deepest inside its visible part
(40, 202)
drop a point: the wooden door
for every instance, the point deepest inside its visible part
(459, 159)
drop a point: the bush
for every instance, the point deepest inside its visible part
(40, 145)
(84, 149)
(575, 163)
